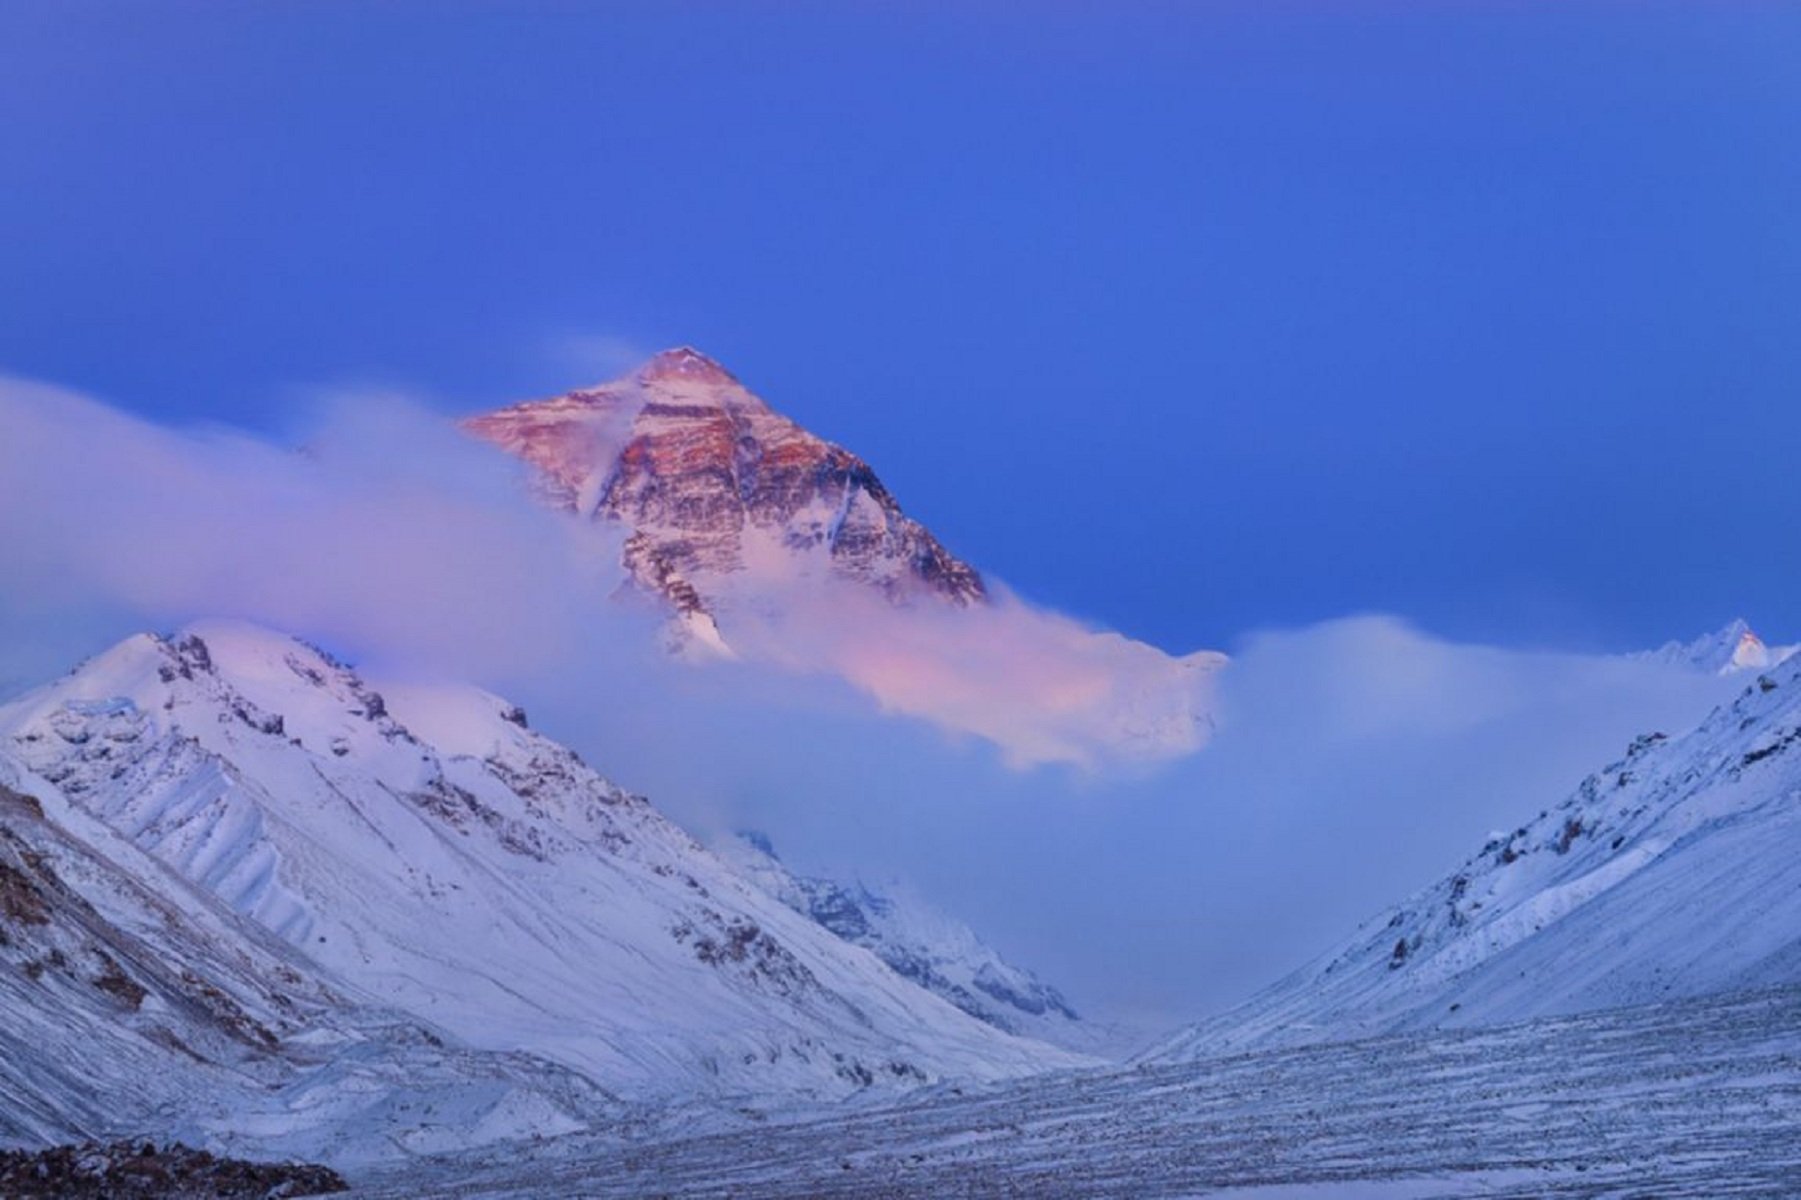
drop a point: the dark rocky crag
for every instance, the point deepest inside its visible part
(124, 1170)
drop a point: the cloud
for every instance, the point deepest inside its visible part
(1040, 686)
(391, 533)
(394, 537)
(1353, 760)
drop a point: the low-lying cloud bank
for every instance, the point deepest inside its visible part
(389, 533)
(1353, 760)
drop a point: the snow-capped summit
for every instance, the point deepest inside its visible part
(712, 484)
(1733, 648)
(686, 363)
(1672, 872)
(426, 847)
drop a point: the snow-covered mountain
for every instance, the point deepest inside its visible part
(427, 849)
(768, 543)
(928, 946)
(711, 483)
(1673, 872)
(1729, 650)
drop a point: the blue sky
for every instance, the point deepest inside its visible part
(1188, 318)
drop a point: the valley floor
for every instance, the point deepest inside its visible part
(1692, 1099)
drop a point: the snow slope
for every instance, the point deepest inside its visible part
(928, 946)
(132, 1002)
(1673, 872)
(427, 848)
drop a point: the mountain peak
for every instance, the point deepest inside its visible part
(713, 486)
(685, 364)
(1736, 647)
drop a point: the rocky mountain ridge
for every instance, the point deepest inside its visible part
(136, 1002)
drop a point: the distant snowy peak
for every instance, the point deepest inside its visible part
(710, 483)
(1734, 648)
(1672, 872)
(926, 945)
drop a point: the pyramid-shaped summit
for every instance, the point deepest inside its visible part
(714, 487)
(685, 363)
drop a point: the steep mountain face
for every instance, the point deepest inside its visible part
(134, 1002)
(710, 483)
(1728, 651)
(927, 946)
(425, 847)
(1673, 872)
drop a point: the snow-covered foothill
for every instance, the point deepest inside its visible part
(425, 846)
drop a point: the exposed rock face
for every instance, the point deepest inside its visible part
(709, 482)
(771, 545)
